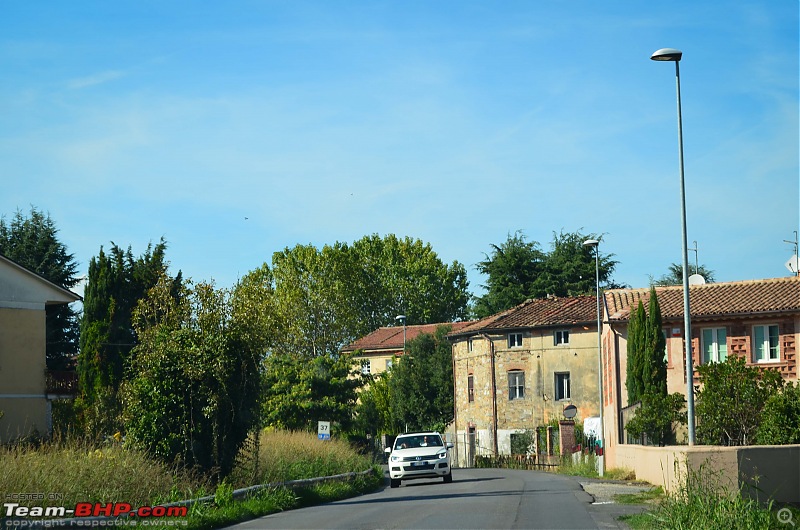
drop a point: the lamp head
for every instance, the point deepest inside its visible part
(667, 54)
(591, 243)
(401, 318)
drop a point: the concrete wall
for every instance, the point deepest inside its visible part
(759, 472)
(22, 372)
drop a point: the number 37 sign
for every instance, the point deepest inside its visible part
(324, 430)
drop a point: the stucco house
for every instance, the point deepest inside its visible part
(376, 352)
(24, 400)
(518, 369)
(758, 320)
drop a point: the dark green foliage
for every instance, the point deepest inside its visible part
(654, 363)
(300, 392)
(656, 417)
(637, 330)
(116, 283)
(195, 380)
(421, 384)
(646, 366)
(730, 403)
(518, 270)
(374, 411)
(33, 242)
(675, 275)
(781, 417)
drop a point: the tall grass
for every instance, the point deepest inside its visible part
(287, 455)
(703, 503)
(72, 470)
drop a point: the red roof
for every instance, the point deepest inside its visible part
(771, 296)
(391, 338)
(540, 312)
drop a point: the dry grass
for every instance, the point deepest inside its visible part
(74, 471)
(287, 455)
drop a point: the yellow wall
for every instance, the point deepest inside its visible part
(22, 372)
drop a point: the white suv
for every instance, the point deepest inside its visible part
(419, 455)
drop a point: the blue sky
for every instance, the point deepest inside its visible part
(236, 129)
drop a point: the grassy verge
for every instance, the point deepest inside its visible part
(68, 472)
(702, 504)
(587, 467)
(227, 511)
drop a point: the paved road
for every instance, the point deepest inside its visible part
(477, 498)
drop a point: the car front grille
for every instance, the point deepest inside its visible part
(415, 458)
(426, 467)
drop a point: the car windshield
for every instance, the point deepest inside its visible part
(412, 442)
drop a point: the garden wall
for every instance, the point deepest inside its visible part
(761, 472)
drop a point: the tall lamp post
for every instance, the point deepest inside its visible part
(670, 54)
(596, 244)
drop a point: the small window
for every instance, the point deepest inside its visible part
(563, 390)
(766, 347)
(561, 336)
(469, 345)
(366, 367)
(388, 364)
(515, 340)
(470, 389)
(715, 345)
(516, 384)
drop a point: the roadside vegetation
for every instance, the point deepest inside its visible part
(74, 471)
(703, 504)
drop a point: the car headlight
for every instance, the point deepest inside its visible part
(443, 454)
(395, 458)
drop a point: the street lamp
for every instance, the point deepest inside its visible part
(596, 244)
(402, 318)
(670, 54)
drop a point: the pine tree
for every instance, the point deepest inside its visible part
(115, 285)
(33, 243)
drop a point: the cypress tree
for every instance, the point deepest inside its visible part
(637, 329)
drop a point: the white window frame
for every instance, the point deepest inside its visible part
(470, 345)
(389, 363)
(516, 385)
(766, 344)
(558, 337)
(716, 345)
(366, 367)
(563, 386)
(515, 340)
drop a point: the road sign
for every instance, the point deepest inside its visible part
(324, 430)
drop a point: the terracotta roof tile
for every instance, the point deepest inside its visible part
(540, 312)
(777, 295)
(391, 338)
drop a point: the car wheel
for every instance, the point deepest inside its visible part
(448, 478)
(394, 482)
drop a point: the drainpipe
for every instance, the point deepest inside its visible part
(494, 394)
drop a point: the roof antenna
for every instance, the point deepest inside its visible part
(794, 262)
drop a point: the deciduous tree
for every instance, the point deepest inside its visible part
(518, 270)
(421, 383)
(731, 400)
(195, 380)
